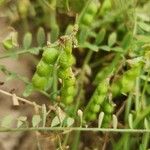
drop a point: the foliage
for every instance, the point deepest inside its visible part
(94, 67)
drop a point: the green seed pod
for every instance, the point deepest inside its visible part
(50, 55)
(68, 99)
(68, 93)
(87, 19)
(129, 77)
(90, 116)
(66, 60)
(69, 81)
(68, 46)
(39, 82)
(64, 74)
(108, 108)
(127, 85)
(107, 118)
(87, 15)
(115, 88)
(95, 108)
(99, 99)
(102, 88)
(44, 69)
(92, 8)
(70, 90)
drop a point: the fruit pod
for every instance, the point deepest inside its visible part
(107, 120)
(66, 60)
(94, 105)
(50, 55)
(108, 70)
(68, 46)
(44, 68)
(87, 15)
(128, 79)
(68, 90)
(115, 88)
(86, 18)
(108, 109)
(39, 82)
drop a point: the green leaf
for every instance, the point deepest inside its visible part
(10, 41)
(8, 44)
(130, 120)
(100, 36)
(146, 124)
(36, 119)
(143, 16)
(90, 46)
(44, 115)
(22, 118)
(70, 121)
(69, 29)
(143, 38)
(54, 33)
(28, 90)
(7, 121)
(21, 121)
(100, 119)
(84, 32)
(41, 36)
(55, 121)
(115, 122)
(112, 39)
(27, 40)
(105, 48)
(35, 51)
(127, 40)
(144, 26)
(117, 49)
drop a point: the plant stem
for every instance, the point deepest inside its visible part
(56, 129)
(145, 140)
(20, 99)
(128, 106)
(137, 94)
(76, 141)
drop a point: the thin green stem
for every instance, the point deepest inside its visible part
(15, 53)
(137, 94)
(24, 51)
(66, 139)
(128, 106)
(56, 129)
(76, 141)
(145, 140)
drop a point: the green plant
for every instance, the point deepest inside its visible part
(94, 105)
(91, 65)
